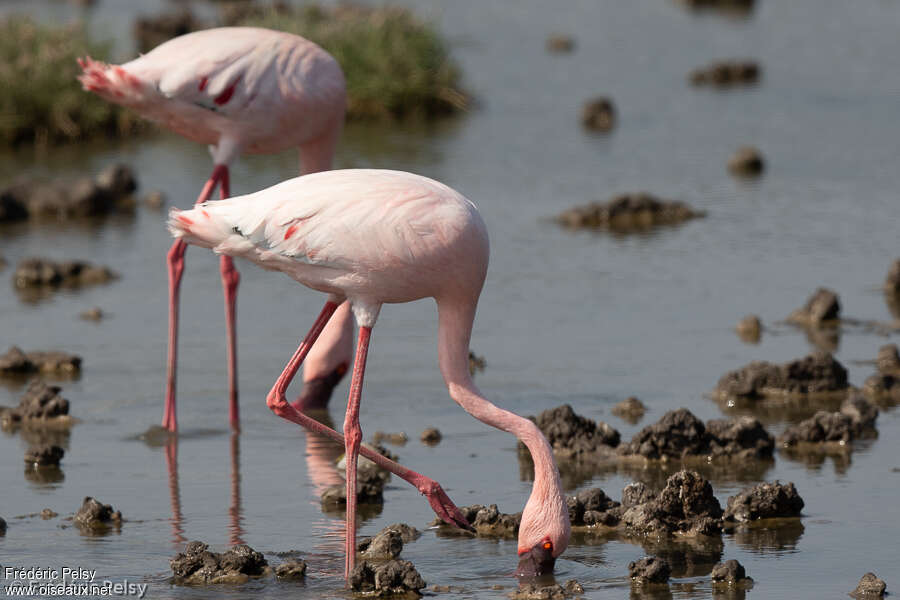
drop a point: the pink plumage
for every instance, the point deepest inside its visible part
(238, 89)
(371, 237)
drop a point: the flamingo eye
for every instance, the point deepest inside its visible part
(548, 545)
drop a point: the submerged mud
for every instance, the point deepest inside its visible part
(197, 565)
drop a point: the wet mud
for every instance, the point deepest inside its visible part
(197, 565)
(764, 501)
(649, 569)
(40, 406)
(16, 362)
(537, 591)
(36, 279)
(749, 329)
(431, 436)
(628, 213)
(293, 569)
(487, 521)
(855, 419)
(726, 73)
(630, 410)
(730, 573)
(110, 191)
(816, 373)
(44, 456)
(598, 114)
(96, 518)
(869, 586)
(386, 579)
(560, 43)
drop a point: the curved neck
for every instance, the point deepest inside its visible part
(454, 332)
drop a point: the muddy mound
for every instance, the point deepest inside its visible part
(747, 161)
(649, 569)
(293, 569)
(387, 543)
(679, 434)
(892, 280)
(44, 456)
(573, 437)
(593, 507)
(598, 114)
(40, 403)
(686, 505)
(726, 73)
(628, 213)
(729, 573)
(764, 501)
(749, 329)
(888, 360)
(17, 362)
(96, 517)
(487, 521)
(630, 409)
(395, 577)
(869, 586)
(534, 591)
(855, 419)
(822, 308)
(818, 372)
(197, 565)
(46, 273)
(63, 199)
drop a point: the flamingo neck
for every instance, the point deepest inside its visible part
(454, 333)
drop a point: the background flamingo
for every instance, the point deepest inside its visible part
(239, 89)
(372, 237)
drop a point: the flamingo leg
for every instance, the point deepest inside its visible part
(175, 266)
(276, 401)
(230, 280)
(352, 441)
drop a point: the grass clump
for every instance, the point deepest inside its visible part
(396, 66)
(42, 102)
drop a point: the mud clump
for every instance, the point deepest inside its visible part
(630, 409)
(649, 569)
(385, 544)
(598, 114)
(747, 161)
(44, 456)
(398, 439)
(197, 565)
(64, 199)
(679, 434)
(96, 516)
(749, 329)
(487, 521)
(892, 280)
(573, 437)
(726, 73)
(369, 492)
(764, 501)
(686, 505)
(431, 436)
(855, 419)
(822, 308)
(628, 213)
(2, 527)
(291, 570)
(816, 373)
(150, 32)
(42, 272)
(395, 577)
(17, 362)
(870, 586)
(40, 404)
(729, 573)
(534, 591)
(594, 507)
(559, 43)
(727, 6)
(888, 360)
(880, 385)
(92, 314)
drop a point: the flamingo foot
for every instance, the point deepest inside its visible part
(317, 392)
(442, 505)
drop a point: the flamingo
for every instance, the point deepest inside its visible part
(371, 237)
(239, 89)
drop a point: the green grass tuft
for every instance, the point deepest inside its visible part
(396, 65)
(41, 101)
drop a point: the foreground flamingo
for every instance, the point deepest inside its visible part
(371, 237)
(239, 89)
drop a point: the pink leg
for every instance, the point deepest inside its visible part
(276, 401)
(175, 263)
(230, 280)
(352, 440)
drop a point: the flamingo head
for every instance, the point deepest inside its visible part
(544, 531)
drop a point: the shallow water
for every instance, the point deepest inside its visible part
(580, 318)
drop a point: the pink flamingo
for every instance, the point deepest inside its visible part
(371, 237)
(239, 89)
